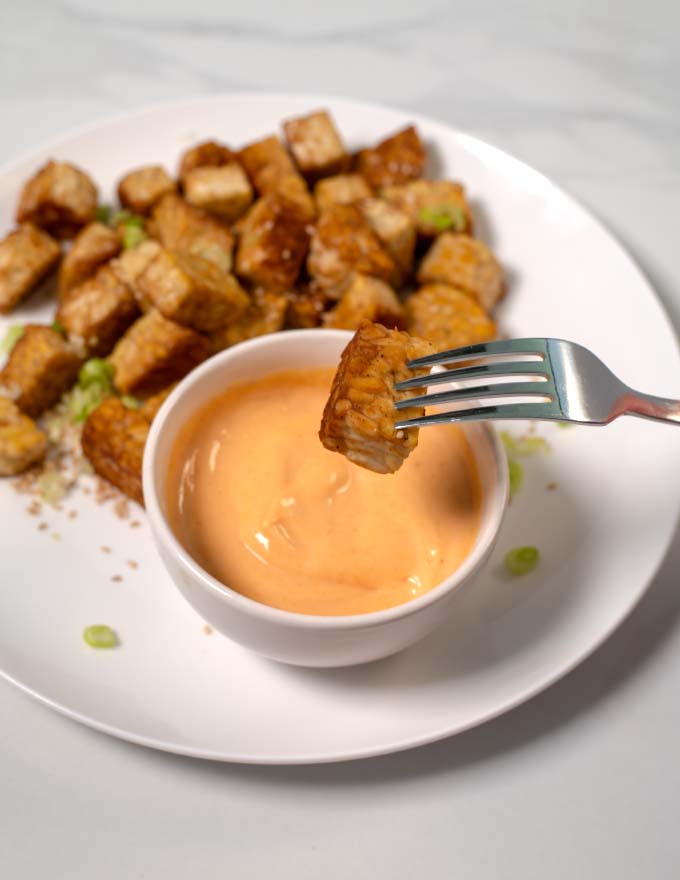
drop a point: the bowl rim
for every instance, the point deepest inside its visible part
(164, 535)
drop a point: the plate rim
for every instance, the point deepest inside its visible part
(405, 743)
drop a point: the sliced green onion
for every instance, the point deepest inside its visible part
(58, 327)
(130, 402)
(117, 218)
(521, 560)
(524, 445)
(96, 371)
(103, 214)
(516, 475)
(444, 217)
(80, 402)
(11, 337)
(100, 636)
(564, 424)
(133, 235)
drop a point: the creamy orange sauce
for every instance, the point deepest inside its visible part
(261, 505)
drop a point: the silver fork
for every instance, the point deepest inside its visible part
(563, 381)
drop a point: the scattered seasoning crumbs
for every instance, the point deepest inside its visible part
(208, 630)
(72, 514)
(56, 536)
(133, 564)
(43, 527)
(34, 508)
(122, 508)
(117, 578)
(135, 524)
(551, 487)
(105, 549)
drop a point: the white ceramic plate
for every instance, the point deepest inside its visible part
(602, 532)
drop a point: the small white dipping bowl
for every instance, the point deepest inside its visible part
(302, 639)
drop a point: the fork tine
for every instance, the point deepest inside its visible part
(497, 389)
(483, 349)
(544, 411)
(511, 368)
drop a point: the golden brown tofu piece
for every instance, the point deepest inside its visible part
(395, 230)
(187, 231)
(59, 198)
(152, 404)
(225, 191)
(466, 263)
(265, 314)
(397, 159)
(272, 172)
(343, 189)
(342, 243)
(143, 188)
(273, 244)
(447, 317)
(306, 307)
(359, 417)
(97, 312)
(366, 299)
(192, 292)
(40, 367)
(130, 265)
(26, 256)
(22, 443)
(434, 205)
(94, 245)
(113, 441)
(154, 353)
(209, 154)
(316, 145)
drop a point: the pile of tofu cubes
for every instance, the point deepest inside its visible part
(294, 232)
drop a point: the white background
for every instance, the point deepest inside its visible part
(581, 782)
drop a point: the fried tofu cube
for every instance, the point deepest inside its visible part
(22, 443)
(434, 205)
(306, 307)
(268, 153)
(395, 230)
(395, 160)
(265, 314)
(97, 312)
(225, 191)
(26, 256)
(273, 244)
(342, 189)
(40, 367)
(366, 299)
(143, 188)
(187, 231)
(272, 172)
(343, 243)
(359, 417)
(113, 441)
(208, 154)
(130, 265)
(152, 404)
(466, 263)
(192, 292)
(155, 352)
(94, 245)
(59, 198)
(447, 317)
(316, 145)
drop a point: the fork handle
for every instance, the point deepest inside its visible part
(661, 409)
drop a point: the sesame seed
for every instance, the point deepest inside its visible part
(105, 549)
(132, 563)
(117, 578)
(43, 527)
(208, 630)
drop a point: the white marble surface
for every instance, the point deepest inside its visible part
(583, 780)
